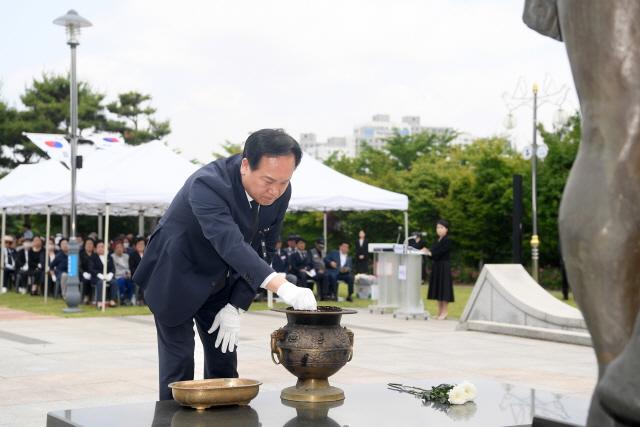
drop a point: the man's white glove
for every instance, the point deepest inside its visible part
(109, 277)
(228, 320)
(54, 279)
(25, 267)
(299, 298)
(86, 275)
(100, 276)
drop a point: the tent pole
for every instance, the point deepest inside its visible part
(99, 225)
(65, 226)
(324, 233)
(46, 255)
(140, 223)
(106, 259)
(4, 231)
(406, 230)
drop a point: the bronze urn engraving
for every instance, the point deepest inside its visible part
(312, 346)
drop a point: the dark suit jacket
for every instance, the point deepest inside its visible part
(60, 263)
(207, 240)
(335, 256)
(300, 262)
(134, 262)
(280, 262)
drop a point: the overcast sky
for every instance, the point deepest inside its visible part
(220, 69)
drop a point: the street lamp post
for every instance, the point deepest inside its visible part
(73, 22)
(535, 241)
(518, 99)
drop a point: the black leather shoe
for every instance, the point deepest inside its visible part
(349, 298)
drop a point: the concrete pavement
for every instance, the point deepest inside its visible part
(54, 363)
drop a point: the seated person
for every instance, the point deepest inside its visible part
(321, 270)
(123, 273)
(280, 263)
(88, 260)
(59, 265)
(302, 264)
(339, 267)
(134, 260)
(100, 278)
(9, 255)
(22, 265)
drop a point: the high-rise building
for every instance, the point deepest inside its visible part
(378, 130)
(321, 150)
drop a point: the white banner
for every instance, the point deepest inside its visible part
(106, 140)
(56, 146)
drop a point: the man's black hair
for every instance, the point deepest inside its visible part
(270, 143)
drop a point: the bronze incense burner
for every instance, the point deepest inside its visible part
(312, 346)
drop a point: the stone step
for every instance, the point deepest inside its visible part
(547, 334)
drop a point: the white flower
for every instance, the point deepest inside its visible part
(469, 390)
(457, 395)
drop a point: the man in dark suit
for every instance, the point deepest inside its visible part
(210, 253)
(340, 267)
(302, 264)
(321, 269)
(280, 263)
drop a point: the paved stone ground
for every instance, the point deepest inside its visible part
(52, 363)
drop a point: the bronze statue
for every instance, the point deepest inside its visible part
(600, 209)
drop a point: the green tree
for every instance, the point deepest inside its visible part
(135, 118)
(406, 149)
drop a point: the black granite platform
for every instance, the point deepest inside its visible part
(365, 405)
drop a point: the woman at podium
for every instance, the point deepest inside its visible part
(441, 282)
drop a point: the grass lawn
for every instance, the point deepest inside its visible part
(54, 307)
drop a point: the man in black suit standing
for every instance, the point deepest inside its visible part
(340, 267)
(210, 253)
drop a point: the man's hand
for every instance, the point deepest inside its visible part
(86, 276)
(299, 298)
(333, 264)
(228, 320)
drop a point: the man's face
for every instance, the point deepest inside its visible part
(140, 246)
(269, 180)
(302, 245)
(119, 249)
(64, 246)
(344, 248)
(100, 248)
(291, 243)
(37, 243)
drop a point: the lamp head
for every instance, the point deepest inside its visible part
(72, 22)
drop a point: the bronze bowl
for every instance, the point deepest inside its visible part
(312, 346)
(203, 394)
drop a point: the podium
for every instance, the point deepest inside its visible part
(398, 275)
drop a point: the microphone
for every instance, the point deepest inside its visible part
(400, 228)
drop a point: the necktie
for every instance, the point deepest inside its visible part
(255, 210)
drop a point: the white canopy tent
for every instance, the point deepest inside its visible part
(142, 180)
